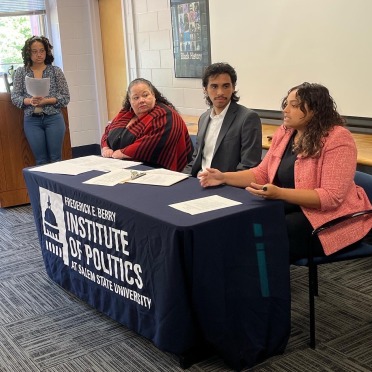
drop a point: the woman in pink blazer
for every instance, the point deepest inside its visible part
(310, 165)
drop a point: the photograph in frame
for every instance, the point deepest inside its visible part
(191, 37)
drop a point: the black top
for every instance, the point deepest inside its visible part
(285, 174)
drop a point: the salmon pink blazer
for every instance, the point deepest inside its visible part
(331, 175)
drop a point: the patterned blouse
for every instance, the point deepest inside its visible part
(58, 89)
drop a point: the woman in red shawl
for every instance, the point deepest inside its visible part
(149, 129)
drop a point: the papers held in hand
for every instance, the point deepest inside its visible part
(37, 87)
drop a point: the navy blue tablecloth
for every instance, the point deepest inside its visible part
(220, 277)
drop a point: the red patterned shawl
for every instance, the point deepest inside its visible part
(159, 137)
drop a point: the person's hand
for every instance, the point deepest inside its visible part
(45, 101)
(266, 191)
(107, 152)
(210, 177)
(118, 155)
(35, 101)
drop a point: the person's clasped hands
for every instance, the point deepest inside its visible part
(36, 101)
(213, 177)
(109, 153)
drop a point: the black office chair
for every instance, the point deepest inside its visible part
(355, 251)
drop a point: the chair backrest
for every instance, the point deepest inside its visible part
(364, 180)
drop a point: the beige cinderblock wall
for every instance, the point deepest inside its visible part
(113, 46)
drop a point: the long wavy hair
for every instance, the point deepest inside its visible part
(317, 99)
(158, 96)
(216, 69)
(26, 50)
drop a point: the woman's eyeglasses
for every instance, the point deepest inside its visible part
(35, 52)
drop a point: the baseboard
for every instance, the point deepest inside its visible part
(86, 150)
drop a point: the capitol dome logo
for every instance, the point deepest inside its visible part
(54, 228)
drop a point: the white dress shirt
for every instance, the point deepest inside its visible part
(211, 135)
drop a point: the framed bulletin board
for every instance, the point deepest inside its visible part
(191, 37)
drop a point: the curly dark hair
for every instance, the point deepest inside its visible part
(317, 99)
(158, 96)
(26, 50)
(216, 69)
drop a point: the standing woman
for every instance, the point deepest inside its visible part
(44, 125)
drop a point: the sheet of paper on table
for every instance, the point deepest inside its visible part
(95, 162)
(156, 177)
(111, 178)
(202, 205)
(160, 177)
(61, 167)
(84, 164)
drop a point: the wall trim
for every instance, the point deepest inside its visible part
(86, 150)
(354, 123)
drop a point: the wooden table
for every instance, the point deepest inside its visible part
(363, 141)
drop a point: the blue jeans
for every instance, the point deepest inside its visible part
(45, 135)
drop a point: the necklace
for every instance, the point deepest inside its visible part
(294, 143)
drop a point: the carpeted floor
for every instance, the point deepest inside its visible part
(44, 328)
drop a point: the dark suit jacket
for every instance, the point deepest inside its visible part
(239, 143)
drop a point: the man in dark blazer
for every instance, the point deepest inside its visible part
(229, 135)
